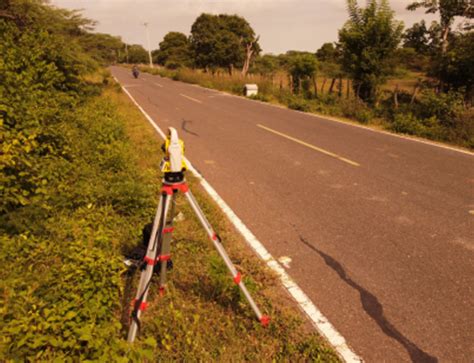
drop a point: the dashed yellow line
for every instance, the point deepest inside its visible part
(326, 152)
(190, 98)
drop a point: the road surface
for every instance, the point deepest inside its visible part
(379, 229)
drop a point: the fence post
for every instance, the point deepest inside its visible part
(395, 96)
(415, 90)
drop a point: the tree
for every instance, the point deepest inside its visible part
(456, 67)
(247, 39)
(419, 44)
(70, 24)
(302, 69)
(448, 11)
(266, 65)
(369, 40)
(424, 40)
(327, 53)
(223, 41)
(333, 71)
(174, 51)
(32, 13)
(417, 37)
(137, 54)
(413, 60)
(104, 48)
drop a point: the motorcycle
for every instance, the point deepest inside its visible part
(135, 72)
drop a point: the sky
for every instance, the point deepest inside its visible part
(282, 24)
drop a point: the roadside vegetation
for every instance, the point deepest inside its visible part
(79, 180)
(417, 81)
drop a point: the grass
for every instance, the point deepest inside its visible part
(270, 85)
(203, 317)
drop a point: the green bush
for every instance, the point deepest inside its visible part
(173, 64)
(363, 115)
(356, 109)
(408, 123)
(260, 97)
(440, 116)
(444, 106)
(71, 200)
(33, 86)
(61, 297)
(299, 104)
(62, 270)
(463, 130)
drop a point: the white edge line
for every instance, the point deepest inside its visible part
(320, 322)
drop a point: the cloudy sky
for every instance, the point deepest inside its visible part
(281, 24)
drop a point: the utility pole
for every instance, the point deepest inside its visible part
(148, 41)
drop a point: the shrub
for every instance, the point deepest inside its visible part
(299, 104)
(437, 116)
(260, 97)
(71, 200)
(356, 109)
(62, 301)
(410, 124)
(173, 64)
(463, 130)
(61, 272)
(363, 115)
(443, 106)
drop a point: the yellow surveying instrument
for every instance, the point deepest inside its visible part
(158, 255)
(173, 162)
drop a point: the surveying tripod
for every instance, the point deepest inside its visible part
(158, 251)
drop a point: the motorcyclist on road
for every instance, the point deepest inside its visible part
(135, 71)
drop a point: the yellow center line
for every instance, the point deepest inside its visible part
(326, 152)
(190, 98)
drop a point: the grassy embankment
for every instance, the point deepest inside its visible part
(415, 110)
(65, 290)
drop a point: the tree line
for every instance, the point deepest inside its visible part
(372, 47)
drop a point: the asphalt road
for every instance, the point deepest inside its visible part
(379, 229)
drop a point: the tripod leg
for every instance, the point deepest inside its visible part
(220, 249)
(150, 259)
(165, 250)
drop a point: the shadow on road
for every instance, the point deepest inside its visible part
(374, 309)
(185, 129)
